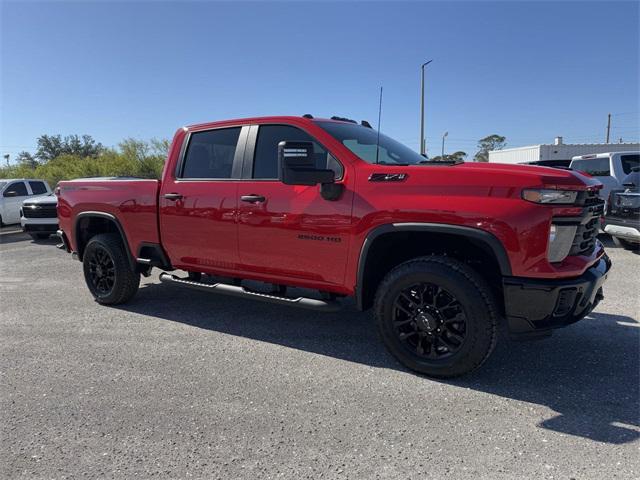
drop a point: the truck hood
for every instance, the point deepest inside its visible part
(535, 175)
(41, 200)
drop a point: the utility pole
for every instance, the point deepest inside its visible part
(443, 137)
(423, 146)
(6, 158)
(608, 127)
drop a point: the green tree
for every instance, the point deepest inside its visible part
(26, 159)
(487, 144)
(135, 158)
(52, 146)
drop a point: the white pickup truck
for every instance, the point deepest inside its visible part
(13, 192)
(39, 216)
(609, 168)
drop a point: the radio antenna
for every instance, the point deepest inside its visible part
(379, 119)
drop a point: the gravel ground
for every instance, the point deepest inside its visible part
(189, 385)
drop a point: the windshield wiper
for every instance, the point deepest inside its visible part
(394, 164)
(441, 162)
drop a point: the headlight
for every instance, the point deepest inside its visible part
(562, 197)
(560, 241)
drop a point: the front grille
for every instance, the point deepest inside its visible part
(584, 241)
(39, 211)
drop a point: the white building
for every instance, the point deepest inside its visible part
(557, 154)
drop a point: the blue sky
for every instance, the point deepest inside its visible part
(526, 70)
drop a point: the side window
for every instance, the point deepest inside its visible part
(210, 154)
(19, 187)
(38, 188)
(265, 161)
(598, 167)
(629, 162)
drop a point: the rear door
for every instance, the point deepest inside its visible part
(291, 231)
(14, 194)
(38, 188)
(198, 202)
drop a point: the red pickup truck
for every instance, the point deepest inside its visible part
(447, 254)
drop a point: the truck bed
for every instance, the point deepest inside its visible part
(132, 201)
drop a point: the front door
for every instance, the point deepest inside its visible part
(198, 204)
(14, 194)
(290, 231)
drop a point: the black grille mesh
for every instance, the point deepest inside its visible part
(584, 241)
(47, 211)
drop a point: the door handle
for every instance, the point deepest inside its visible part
(172, 196)
(252, 198)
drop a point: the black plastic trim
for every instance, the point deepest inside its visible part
(473, 233)
(108, 216)
(159, 258)
(539, 305)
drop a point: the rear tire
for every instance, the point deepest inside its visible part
(626, 244)
(437, 316)
(107, 270)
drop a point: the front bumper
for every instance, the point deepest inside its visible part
(40, 227)
(534, 307)
(27, 223)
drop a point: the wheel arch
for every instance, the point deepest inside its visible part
(91, 223)
(481, 240)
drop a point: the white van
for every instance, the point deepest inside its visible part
(14, 191)
(609, 168)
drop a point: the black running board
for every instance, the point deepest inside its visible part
(238, 291)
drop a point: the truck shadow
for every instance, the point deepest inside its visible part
(587, 373)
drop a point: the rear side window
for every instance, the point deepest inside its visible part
(19, 187)
(210, 154)
(38, 188)
(597, 167)
(629, 162)
(265, 162)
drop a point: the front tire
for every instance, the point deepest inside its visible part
(107, 270)
(437, 316)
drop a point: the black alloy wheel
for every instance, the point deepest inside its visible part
(429, 321)
(102, 271)
(437, 316)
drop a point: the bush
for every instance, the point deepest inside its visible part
(132, 158)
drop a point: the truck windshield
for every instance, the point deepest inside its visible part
(362, 141)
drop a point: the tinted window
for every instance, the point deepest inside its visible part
(629, 162)
(38, 188)
(265, 162)
(365, 144)
(210, 154)
(19, 187)
(598, 167)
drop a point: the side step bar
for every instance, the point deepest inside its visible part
(238, 291)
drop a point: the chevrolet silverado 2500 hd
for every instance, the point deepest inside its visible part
(447, 254)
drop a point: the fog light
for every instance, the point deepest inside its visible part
(560, 241)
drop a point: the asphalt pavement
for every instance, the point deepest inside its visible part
(181, 384)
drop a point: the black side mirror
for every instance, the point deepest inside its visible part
(297, 166)
(10, 193)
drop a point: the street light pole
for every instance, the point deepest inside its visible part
(422, 142)
(443, 137)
